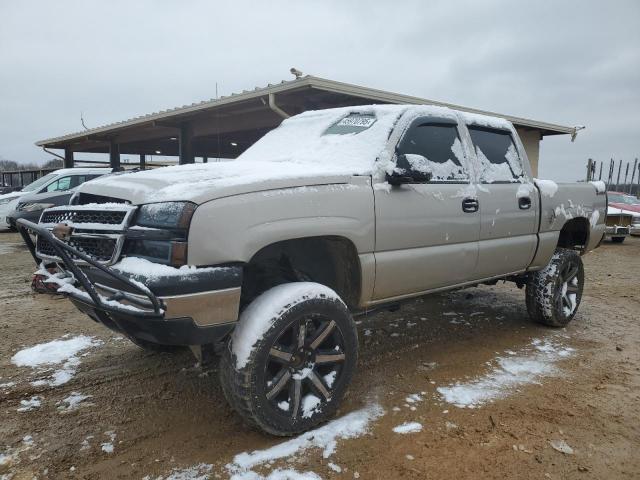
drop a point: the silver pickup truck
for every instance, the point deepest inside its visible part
(265, 259)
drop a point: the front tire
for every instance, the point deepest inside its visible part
(291, 358)
(554, 293)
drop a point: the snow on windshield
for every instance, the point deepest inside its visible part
(308, 139)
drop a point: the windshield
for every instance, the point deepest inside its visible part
(342, 140)
(40, 182)
(626, 199)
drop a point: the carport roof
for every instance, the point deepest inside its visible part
(292, 96)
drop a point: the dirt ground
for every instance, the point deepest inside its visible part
(167, 413)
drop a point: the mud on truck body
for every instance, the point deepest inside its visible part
(266, 259)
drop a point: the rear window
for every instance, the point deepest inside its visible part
(497, 154)
(352, 123)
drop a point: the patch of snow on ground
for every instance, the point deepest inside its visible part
(85, 445)
(527, 367)
(196, 472)
(325, 438)
(72, 401)
(62, 351)
(408, 427)
(413, 398)
(31, 404)
(107, 447)
(288, 474)
(334, 467)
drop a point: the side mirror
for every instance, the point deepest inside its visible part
(409, 169)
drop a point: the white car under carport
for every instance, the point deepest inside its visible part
(57, 181)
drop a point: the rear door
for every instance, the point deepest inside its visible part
(425, 239)
(508, 203)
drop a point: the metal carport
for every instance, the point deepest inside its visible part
(225, 127)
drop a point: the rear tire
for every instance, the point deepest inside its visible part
(554, 293)
(294, 375)
(617, 239)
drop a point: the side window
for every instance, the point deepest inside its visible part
(497, 154)
(435, 146)
(60, 185)
(78, 180)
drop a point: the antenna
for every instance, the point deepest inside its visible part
(82, 122)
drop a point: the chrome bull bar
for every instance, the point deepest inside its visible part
(92, 297)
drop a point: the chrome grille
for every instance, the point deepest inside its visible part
(97, 232)
(107, 217)
(101, 249)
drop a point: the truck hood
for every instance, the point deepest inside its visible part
(200, 183)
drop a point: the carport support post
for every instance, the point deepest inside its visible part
(186, 144)
(143, 161)
(114, 156)
(68, 158)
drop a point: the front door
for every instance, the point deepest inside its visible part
(427, 234)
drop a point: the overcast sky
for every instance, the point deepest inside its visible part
(571, 63)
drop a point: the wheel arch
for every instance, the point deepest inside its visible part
(574, 234)
(330, 260)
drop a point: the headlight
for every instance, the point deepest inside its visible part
(160, 251)
(170, 248)
(34, 207)
(166, 215)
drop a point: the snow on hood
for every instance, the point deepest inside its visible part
(296, 153)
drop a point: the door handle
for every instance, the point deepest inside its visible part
(524, 203)
(470, 205)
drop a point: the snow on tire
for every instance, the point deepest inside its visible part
(290, 359)
(554, 293)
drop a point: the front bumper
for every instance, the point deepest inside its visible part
(5, 210)
(195, 309)
(13, 217)
(616, 231)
